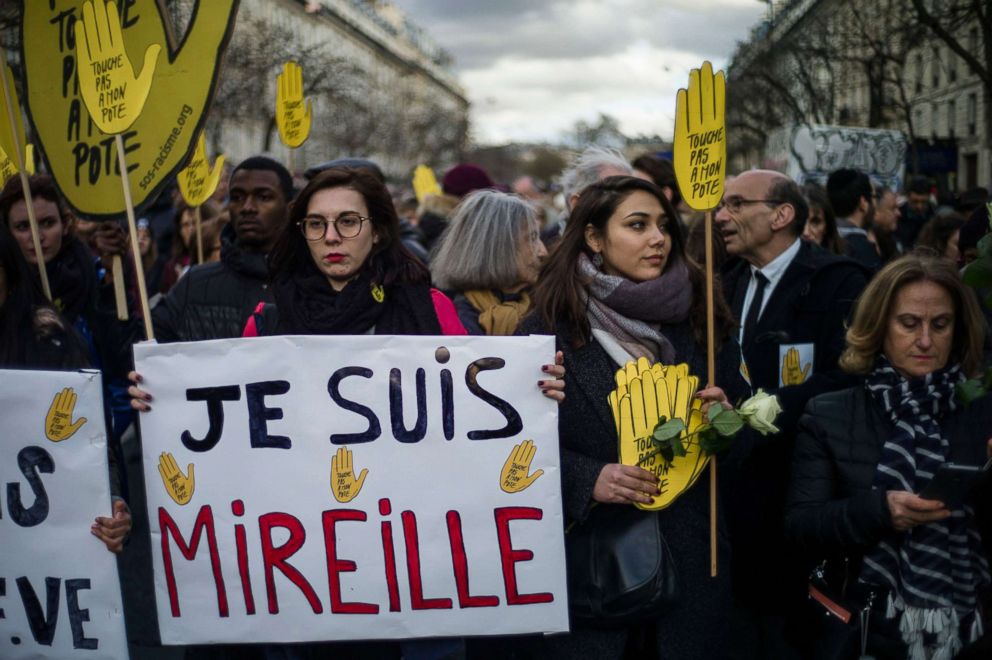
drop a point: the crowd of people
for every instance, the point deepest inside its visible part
(843, 299)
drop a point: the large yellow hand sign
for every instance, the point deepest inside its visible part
(58, 422)
(644, 394)
(8, 166)
(700, 147)
(179, 486)
(197, 181)
(113, 94)
(293, 115)
(161, 140)
(344, 486)
(425, 183)
(514, 476)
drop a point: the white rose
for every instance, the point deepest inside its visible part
(760, 412)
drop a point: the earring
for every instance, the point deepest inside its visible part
(597, 260)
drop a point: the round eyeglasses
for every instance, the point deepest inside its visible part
(346, 225)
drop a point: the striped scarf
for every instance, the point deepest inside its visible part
(932, 571)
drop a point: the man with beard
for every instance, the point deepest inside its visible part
(214, 300)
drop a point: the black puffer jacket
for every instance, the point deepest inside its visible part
(832, 511)
(213, 301)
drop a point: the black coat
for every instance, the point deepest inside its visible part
(810, 304)
(214, 301)
(832, 511)
(588, 438)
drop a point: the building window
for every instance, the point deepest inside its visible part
(952, 118)
(952, 66)
(934, 118)
(919, 72)
(972, 114)
(935, 70)
(973, 42)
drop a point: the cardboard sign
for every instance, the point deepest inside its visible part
(645, 393)
(425, 183)
(198, 181)
(80, 156)
(700, 145)
(293, 112)
(8, 166)
(334, 488)
(59, 591)
(12, 137)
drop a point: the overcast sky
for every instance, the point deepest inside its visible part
(532, 69)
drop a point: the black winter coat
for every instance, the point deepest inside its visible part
(832, 511)
(696, 627)
(214, 301)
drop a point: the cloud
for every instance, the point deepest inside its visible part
(532, 69)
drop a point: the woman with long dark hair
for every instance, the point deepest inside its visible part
(618, 287)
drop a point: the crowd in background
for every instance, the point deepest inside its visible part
(844, 299)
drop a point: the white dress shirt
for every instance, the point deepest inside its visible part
(773, 272)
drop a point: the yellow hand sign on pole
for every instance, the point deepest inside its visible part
(8, 167)
(425, 183)
(644, 394)
(197, 182)
(700, 147)
(58, 422)
(179, 486)
(344, 486)
(515, 477)
(293, 113)
(113, 94)
(12, 142)
(114, 97)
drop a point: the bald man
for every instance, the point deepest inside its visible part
(791, 298)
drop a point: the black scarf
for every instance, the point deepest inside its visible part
(308, 305)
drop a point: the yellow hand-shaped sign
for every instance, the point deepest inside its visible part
(292, 114)
(344, 486)
(514, 477)
(160, 141)
(113, 94)
(58, 422)
(644, 394)
(700, 147)
(8, 166)
(793, 371)
(179, 486)
(425, 183)
(197, 181)
(13, 137)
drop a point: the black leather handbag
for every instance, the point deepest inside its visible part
(620, 570)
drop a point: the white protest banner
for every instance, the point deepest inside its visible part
(59, 592)
(335, 488)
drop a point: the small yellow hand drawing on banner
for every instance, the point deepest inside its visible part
(197, 181)
(58, 422)
(344, 486)
(179, 486)
(793, 371)
(113, 94)
(515, 475)
(293, 116)
(700, 145)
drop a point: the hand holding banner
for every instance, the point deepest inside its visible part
(292, 115)
(113, 95)
(701, 139)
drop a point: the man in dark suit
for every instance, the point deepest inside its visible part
(853, 201)
(791, 298)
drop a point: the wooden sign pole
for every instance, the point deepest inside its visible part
(711, 380)
(132, 226)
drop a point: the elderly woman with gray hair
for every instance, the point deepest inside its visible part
(488, 258)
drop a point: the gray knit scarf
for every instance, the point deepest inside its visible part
(633, 312)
